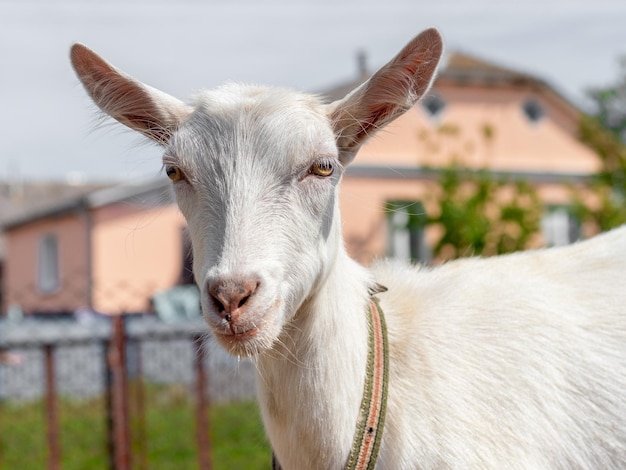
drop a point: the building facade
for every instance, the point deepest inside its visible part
(108, 252)
(113, 249)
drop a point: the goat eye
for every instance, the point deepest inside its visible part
(174, 173)
(322, 168)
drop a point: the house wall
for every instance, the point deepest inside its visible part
(459, 134)
(137, 250)
(363, 201)
(22, 264)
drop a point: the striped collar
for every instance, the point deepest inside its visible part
(371, 421)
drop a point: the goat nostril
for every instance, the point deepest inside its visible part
(230, 296)
(218, 305)
(243, 301)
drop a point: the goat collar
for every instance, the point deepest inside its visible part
(371, 421)
(369, 430)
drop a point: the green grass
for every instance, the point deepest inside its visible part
(163, 439)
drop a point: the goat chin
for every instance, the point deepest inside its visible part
(511, 362)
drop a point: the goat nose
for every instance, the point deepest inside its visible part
(230, 295)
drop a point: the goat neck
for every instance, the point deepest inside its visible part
(310, 385)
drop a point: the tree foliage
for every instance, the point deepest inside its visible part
(610, 103)
(480, 214)
(605, 133)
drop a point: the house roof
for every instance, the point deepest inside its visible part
(17, 199)
(464, 69)
(21, 197)
(156, 191)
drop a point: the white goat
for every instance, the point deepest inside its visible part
(510, 362)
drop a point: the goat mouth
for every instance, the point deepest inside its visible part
(234, 334)
(248, 334)
(239, 342)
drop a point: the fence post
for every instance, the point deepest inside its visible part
(139, 413)
(119, 395)
(108, 397)
(203, 422)
(2, 431)
(52, 419)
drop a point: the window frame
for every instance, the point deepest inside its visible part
(416, 250)
(573, 226)
(48, 264)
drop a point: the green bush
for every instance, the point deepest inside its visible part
(480, 214)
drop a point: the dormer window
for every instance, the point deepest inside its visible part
(433, 104)
(533, 110)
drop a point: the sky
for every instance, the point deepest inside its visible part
(49, 130)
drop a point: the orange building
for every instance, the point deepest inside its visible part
(114, 248)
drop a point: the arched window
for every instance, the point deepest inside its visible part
(433, 104)
(533, 110)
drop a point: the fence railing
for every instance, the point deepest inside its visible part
(110, 377)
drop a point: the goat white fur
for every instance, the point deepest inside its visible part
(510, 362)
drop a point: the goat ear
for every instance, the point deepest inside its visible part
(387, 94)
(142, 108)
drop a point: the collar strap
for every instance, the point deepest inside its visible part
(370, 424)
(371, 421)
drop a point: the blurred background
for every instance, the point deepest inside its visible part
(184, 46)
(519, 144)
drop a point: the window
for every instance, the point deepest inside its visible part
(406, 221)
(533, 110)
(559, 226)
(48, 275)
(433, 104)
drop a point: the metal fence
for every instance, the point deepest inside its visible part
(118, 387)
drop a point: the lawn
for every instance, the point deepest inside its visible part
(163, 439)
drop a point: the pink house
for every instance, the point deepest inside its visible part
(477, 115)
(113, 249)
(109, 251)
